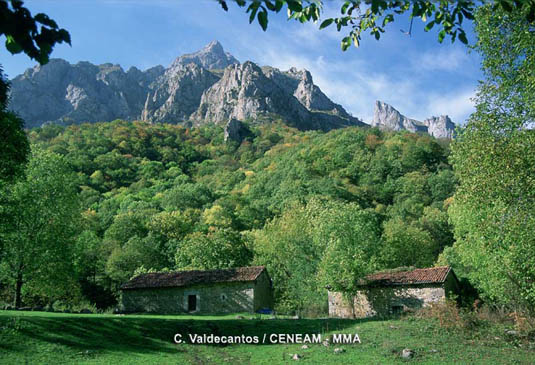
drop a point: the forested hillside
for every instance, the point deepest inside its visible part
(315, 208)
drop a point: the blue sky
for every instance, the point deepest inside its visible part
(416, 74)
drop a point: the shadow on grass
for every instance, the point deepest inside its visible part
(139, 334)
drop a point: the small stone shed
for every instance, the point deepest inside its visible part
(241, 289)
(385, 293)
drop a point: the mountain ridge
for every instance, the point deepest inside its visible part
(207, 86)
(387, 117)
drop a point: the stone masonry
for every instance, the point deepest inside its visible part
(395, 293)
(211, 295)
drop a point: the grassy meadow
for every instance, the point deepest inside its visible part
(57, 338)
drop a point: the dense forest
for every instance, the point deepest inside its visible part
(143, 197)
(93, 204)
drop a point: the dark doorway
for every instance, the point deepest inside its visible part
(397, 309)
(192, 303)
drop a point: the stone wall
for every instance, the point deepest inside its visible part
(384, 301)
(263, 292)
(451, 286)
(217, 298)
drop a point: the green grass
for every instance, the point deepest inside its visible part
(54, 338)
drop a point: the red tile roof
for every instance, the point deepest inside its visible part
(187, 278)
(432, 275)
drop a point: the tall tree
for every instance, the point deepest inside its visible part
(35, 36)
(15, 145)
(493, 210)
(220, 248)
(353, 247)
(39, 221)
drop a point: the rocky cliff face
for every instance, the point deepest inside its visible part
(247, 92)
(208, 86)
(211, 57)
(386, 117)
(175, 95)
(440, 127)
(61, 92)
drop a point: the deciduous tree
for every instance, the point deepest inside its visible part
(39, 221)
(493, 209)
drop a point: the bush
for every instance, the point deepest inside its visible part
(451, 317)
(517, 326)
(61, 306)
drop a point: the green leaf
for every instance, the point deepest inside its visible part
(429, 25)
(64, 36)
(263, 19)
(356, 41)
(462, 37)
(270, 5)
(326, 23)
(44, 19)
(345, 6)
(12, 46)
(441, 35)
(295, 5)
(389, 18)
(253, 8)
(346, 42)
(314, 12)
(467, 14)
(375, 7)
(223, 4)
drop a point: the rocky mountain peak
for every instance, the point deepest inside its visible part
(211, 57)
(302, 75)
(440, 127)
(207, 86)
(175, 95)
(248, 91)
(213, 46)
(387, 117)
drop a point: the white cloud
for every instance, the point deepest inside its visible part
(356, 85)
(445, 59)
(457, 105)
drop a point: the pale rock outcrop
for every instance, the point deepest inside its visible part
(440, 127)
(301, 85)
(208, 86)
(176, 94)
(245, 92)
(211, 57)
(386, 117)
(63, 93)
(248, 91)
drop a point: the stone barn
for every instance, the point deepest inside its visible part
(241, 289)
(385, 293)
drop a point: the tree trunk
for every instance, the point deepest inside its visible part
(18, 290)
